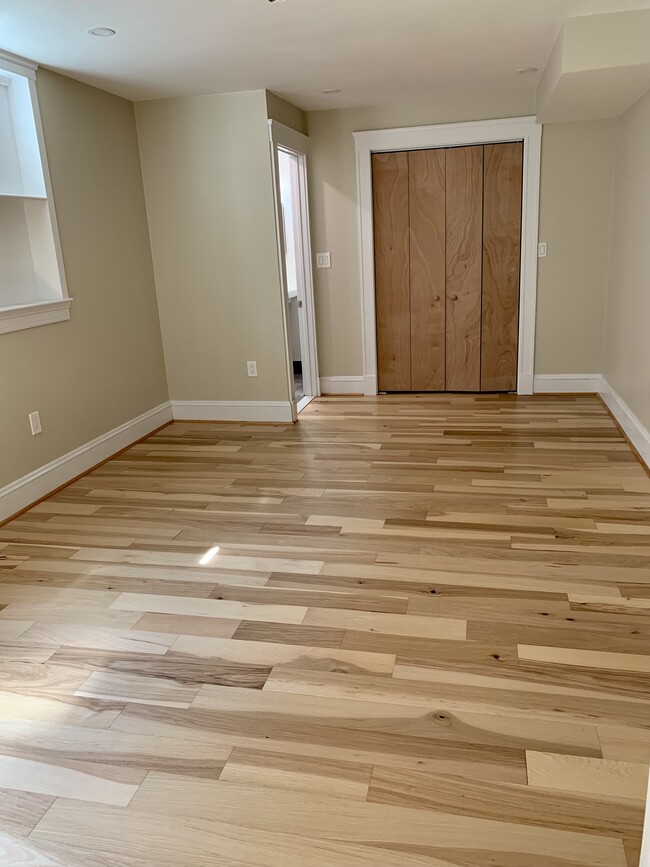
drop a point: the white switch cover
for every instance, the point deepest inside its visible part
(542, 250)
(35, 423)
(251, 367)
(323, 260)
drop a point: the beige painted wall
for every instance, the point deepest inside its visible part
(207, 178)
(575, 203)
(627, 313)
(104, 366)
(576, 157)
(286, 113)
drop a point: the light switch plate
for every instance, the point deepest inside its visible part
(323, 260)
(542, 250)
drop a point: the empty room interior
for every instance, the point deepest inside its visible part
(325, 433)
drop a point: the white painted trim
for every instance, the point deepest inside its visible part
(342, 385)
(233, 410)
(568, 383)
(288, 137)
(18, 65)
(37, 312)
(20, 316)
(304, 402)
(51, 206)
(38, 484)
(645, 846)
(524, 129)
(636, 431)
(284, 138)
(282, 269)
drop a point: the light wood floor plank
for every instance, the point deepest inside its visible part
(420, 639)
(606, 777)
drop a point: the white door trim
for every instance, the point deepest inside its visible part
(287, 139)
(524, 129)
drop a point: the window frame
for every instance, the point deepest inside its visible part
(36, 312)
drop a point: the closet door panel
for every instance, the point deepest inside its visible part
(390, 175)
(427, 254)
(464, 266)
(501, 265)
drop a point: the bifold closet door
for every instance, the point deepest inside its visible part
(464, 184)
(390, 181)
(501, 265)
(427, 207)
(447, 227)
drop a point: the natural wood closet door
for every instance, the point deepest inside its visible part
(427, 253)
(501, 265)
(390, 179)
(447, 225)
(464, 265)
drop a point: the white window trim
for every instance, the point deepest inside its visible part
(524, 129)
(17, 317)
(21, 316)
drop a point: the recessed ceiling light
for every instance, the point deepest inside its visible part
(101, 31)
(331, 90)
(527, 70)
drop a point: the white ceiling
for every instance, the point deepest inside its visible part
(375, 51)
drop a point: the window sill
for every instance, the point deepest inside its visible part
(20, 316)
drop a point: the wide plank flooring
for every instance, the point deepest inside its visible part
(410, 631)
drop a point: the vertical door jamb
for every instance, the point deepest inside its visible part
(287, 139)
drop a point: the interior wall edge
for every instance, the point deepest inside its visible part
(24, 492)
(209, 196)
(104, 365)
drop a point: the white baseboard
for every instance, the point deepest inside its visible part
(637, 433)
(645, 847)
(568, 383)
(233, 410)
(370, 386)
(21, 493)
(525, 384)
(342, 385)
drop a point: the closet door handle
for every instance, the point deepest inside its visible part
(454, 297)
(436, 298)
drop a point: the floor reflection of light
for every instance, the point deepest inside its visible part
(210, 555)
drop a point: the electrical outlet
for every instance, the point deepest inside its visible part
(35, 423)
(323, 260)
(251, 367)
(542, 250)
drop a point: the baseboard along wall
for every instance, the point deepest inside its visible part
(233, 410)
(632, 426)
(568, 383)
(37, 485)
(342, 385)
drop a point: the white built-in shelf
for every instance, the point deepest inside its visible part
(32, 279)
(21, 196)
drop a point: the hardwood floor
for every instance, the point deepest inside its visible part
(424, 640)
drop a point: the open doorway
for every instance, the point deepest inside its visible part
(289, 151)
(289, 200)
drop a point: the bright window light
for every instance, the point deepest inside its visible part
(209, 556)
